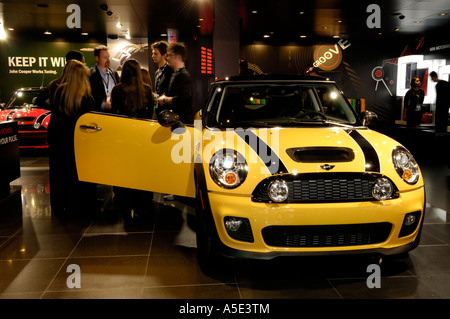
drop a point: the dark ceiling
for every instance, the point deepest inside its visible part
(284, 20)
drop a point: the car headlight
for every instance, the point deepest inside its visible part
(405, 165)
(228, 168)
(278, 190)
(382, 189)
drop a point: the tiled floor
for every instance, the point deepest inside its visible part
(159, 261)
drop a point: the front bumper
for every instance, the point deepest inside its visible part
(347, 215)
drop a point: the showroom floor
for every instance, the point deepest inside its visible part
(159, 261)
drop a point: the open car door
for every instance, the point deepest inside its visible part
(134, 153)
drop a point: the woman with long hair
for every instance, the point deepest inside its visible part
(133, 97)
(72, 99)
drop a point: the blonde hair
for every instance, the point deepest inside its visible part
(74, 86)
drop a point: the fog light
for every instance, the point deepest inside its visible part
(233, 224)
(382, 189)
(410, 224)
(278, 190)
(239, 228)
(410, 219)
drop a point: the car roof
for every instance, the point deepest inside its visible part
(31, 89)
(273, 77)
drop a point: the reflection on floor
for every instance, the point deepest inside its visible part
(159, 260)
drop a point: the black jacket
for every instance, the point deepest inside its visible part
(162, 80)
(97, 87)
(180, 89)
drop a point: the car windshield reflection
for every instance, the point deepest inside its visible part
(282, 105)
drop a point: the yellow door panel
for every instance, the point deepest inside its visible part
(134, 153)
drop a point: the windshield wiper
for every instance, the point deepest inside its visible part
(339, 124)
(308, 122)
(253, 122)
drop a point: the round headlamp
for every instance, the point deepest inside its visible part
(382, 189)
(228, 168)
(278, 190)
(405, 165)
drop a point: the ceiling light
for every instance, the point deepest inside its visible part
(266, 36)
(443, 14)
(254, 12)
(2, 32)
(84, 33)
(302, 12)
(47, 32)
(303, 36)
(11, 29)
(396, 29)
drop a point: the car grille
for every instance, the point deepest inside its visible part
(28, 127)
(25, 119)
(322, 187)
(326, 235)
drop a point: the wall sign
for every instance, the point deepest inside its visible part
(327, 57)
(9, 152)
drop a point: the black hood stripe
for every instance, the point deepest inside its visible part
(41, 117)
(264, 151)
(370, 154)
(10, 115)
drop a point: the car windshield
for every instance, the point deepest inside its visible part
(23, 98)
(296, 104)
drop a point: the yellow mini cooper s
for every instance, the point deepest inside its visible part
(280, 165)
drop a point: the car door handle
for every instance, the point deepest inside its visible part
(90, 127)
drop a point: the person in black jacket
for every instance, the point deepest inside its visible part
(72, 99)
(179, 95)
(442, 103)
(164, 71)
(102, 79)
(413, 102)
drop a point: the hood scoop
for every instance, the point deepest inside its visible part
(321, 154)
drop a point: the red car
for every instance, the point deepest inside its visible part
(32, 119)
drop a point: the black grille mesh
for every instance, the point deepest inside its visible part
(326, 235)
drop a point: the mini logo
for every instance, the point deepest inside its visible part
(326, 167)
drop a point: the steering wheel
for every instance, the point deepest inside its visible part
(310, 114)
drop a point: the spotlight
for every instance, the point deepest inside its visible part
(104, 7)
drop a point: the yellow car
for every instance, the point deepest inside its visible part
(280, 165)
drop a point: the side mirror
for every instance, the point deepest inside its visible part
(367, 117)
(168, 118)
